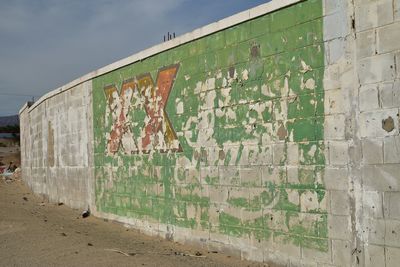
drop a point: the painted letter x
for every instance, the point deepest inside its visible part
(158, 133)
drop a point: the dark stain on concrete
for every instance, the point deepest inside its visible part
(388, 124)
(231, 72)
(282, 132)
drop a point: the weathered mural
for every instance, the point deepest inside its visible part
(227, 139)
(142, 92)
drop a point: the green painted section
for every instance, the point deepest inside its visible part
(247, 109)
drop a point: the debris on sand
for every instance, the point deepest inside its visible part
(118, 251)
(86, 213)
(25, 198)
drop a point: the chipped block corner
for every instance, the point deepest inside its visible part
(275, 138)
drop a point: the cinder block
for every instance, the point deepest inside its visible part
(250, 176)
(279, 154)
(338, 153)
(378, 68)
(372, 204)
(341, 253)
(331, 77)
(381, 177)
(340, 203)
(281, 246)
(392, 233)
(392, 257)
(388, 38)
(334, 127)
(336, 49)
(372, 151)
(392, 205)
(333, 6)
(335, 25)
(336, 102)
(229, 175)
(374, 231)
(339, 227)
(371, 14)
(368, 97)
(317, 256)
(273, 174)
(366, 44)
(379, 123)
(389, 94)
(336, 178)
(391, 148)
(374, 256)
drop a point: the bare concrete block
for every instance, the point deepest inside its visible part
(388, 38)
(333, 6)
(368, 97)
(335, 102)
(339, 227)
(292, 154)
(341, 252)
(378, 68)
(336, 50)
(338, 153)
(392, 205)
(392, 233)
(333, 29)
(374, 256)
(391, 148)
(381, 177)
(373, 204)
(392, 257)
(331, 77)
(372, 151)
(334, 127)
(317, 256)
(366, 44)
(336, 178)
(284, 247)
(279, 155)
(379, 123)
(340, 203)
(389, 94)
(370, 14)
(374, 231)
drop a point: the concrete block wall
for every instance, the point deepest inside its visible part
(56, 138)
(377, 36)
(272, 135)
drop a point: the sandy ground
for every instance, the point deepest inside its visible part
(37, 233)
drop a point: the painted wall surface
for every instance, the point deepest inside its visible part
(223, 134)
(272, 135)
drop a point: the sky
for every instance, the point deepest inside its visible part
(47, 43)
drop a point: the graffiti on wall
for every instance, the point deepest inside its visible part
(245, 111)
(157, 132)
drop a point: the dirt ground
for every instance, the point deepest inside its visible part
(37, 233)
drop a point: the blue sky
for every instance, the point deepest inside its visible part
(47, 43)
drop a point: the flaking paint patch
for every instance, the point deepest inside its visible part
(227, 111)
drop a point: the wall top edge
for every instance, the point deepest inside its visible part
(180, 40)
(25, 106)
